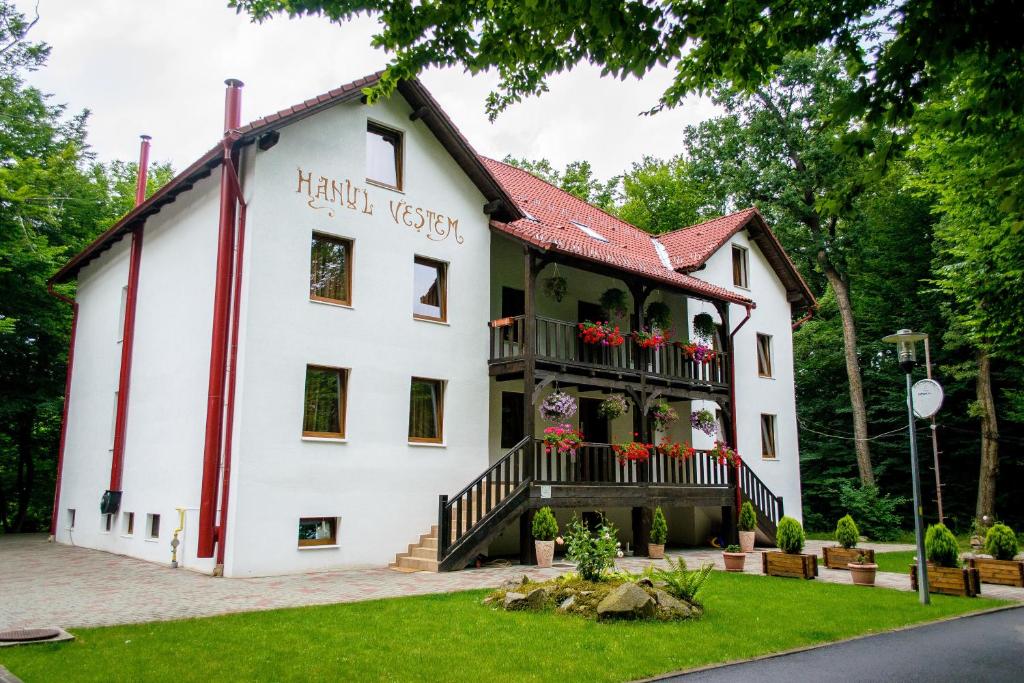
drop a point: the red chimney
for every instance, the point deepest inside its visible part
(140, 182)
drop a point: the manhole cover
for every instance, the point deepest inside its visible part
(27, 635)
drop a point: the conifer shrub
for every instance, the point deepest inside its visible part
(545, 527)
(659, 527)
(748, 517)
(940, 546)
(1000, 542)
(847, 532)
(790, 536)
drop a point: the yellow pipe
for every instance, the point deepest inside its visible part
(174, 540)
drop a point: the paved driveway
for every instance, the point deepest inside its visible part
(46, 584)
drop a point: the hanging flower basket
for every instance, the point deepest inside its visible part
(700, 352)
(676, 451)
(704, 421)
(558, 407)
(632, 450)
(600, 333)
(614, 303)
(555, 287)
(651, 338)
(725, 455)
(659, 315)
(663, 415)
(563, 439)
(704, 326)
(612, 407)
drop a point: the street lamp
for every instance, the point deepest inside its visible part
(905, 341)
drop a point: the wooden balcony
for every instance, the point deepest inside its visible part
(557, 347)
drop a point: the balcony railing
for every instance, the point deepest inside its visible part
(596, 463)
(558, 342)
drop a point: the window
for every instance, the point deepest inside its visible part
(764, 355)
(383, 156)
(315, 531)
(108, 522)
(129, 523)
(512, 409)
(153, 525)
(739, 267)
(768, 437)
(330, 269)
(426, 410)
(121, 315)
(324, 413)
(71, 518)
(430, 290)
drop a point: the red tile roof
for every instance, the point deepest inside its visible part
(690, 247)
(558, 216)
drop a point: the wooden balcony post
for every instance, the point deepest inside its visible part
(529, 352)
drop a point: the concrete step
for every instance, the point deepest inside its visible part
(417, 563)
(425, 553)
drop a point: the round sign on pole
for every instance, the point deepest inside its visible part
(927, 396)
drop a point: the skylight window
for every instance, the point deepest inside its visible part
(530, 217)
(662, 253)
(593, 233)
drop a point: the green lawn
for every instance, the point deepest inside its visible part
(453, 637)
(898, 562)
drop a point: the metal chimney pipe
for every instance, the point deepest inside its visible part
(140, 182)
(233, 104)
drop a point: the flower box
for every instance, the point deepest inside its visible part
(1002, 572)
(802, 566)
(949, 580)
(837, 557)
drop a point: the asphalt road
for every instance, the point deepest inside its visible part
(982, 649)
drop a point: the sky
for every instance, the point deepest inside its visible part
(158, 67)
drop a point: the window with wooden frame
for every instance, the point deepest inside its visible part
(383, 156)
(426, 411)
(739, 267)
(129, 523)
(330, 269)
(324, 411)
(430, 290)
(764, 355)
(768, 437)
(314, 531)
(153, 525)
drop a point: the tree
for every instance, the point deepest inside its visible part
(774, 149)
(660, 196)
(577, 179)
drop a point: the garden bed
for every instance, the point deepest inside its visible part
(837, 557)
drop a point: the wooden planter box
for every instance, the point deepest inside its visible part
(783, 564)
(1002, 572)
(949, 581)
(837, 557)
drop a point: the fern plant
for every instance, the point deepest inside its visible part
(679, 581)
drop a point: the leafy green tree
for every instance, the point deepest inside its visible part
(577, 179)
(661, 196)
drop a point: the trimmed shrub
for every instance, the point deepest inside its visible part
(940, 546)
(790, 536)
(875, 512)
(659, 527)
(847, 533)
(1000, 542)
(545, 527)
(748, 517)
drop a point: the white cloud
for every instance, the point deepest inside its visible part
(157, 67)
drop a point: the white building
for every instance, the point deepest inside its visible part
(348, 259)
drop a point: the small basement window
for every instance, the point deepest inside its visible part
(739, 267)
(314, 531)
(71, 518)
(590, 231)
(153, 525)
(129, 523)
(383, 156)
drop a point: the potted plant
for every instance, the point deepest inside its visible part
(632, 450)
(558, 406)
(1001, 544)
(659, 534)
(612, 407)
(651, 338)
(676, 450)
(556, 286)
(658, 315)
(747, 524)
(847, 535)
(791, 561)
(945, 575)
(545, 528)
(663, 415)
(863, 569)
(699, 352)
(703, 420)
(734, 558)
(563, 439)
(600, 333)
(614, 303)
(704, 326)
(724, 454)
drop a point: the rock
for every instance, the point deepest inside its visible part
(514, 601)
(645, 582)
(586, 593)
(513, 584)
(536, 598)
(567, 604)
(1019, 557)
(671, 606)
(628, 601)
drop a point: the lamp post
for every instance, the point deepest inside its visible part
(905, 341)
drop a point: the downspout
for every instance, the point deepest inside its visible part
(128, 333)
(732, 402)
(67, 402)
(232, 373)
(801, 321)
(219, 335)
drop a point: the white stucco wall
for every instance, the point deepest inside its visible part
(383, 489)
(167, 401)
(756, 395)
